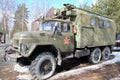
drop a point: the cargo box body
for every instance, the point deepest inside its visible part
(93, 30)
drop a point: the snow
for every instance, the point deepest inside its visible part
(117, 78)
(68, 73)
(24, 77)
(20, 69)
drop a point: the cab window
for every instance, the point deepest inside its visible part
(65, 27)
(93, 22)
(108, 24)
(101, 24)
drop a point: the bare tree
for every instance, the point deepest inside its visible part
(7, 7)
(45, 6)
(38, 10)
(34, 13)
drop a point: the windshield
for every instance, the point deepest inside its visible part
(49, 25)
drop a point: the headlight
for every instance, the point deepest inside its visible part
(23, 48)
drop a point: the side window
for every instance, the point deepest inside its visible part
(101, 24)
(108, 24)
(93, 22)
(65, 27)
(118, 36)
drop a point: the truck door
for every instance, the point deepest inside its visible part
(87, 37)
(65, 39)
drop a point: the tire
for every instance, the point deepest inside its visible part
(43, 66)
(95, 56)
(106, 53)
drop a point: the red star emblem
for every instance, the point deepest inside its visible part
(66, 40)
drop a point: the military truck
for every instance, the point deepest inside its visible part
(73, 32)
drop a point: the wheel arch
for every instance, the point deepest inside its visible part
(46, 48)
(43, 48)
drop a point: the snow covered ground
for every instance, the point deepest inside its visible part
(117, 78)
(70, 72)
(23, 72)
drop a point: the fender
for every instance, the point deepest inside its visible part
(57, 55)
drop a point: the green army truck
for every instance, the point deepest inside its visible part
(73, 32)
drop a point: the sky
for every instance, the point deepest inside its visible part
(51, 3)
(58, 3)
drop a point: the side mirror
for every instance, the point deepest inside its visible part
(57, 31)
(74, 30)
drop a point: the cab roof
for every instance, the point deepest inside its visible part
(61, 20)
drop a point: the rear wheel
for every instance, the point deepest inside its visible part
(43, 66)
(106, 53)
(95, 56)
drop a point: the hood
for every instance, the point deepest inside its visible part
(34, 34)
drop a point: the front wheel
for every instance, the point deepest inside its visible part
(95, 56)
(43, 66)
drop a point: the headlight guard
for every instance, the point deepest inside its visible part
(23, 48)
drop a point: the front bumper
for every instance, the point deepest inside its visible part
(12, 57)
(11, 54)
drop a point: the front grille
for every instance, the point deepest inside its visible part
(16, 43)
